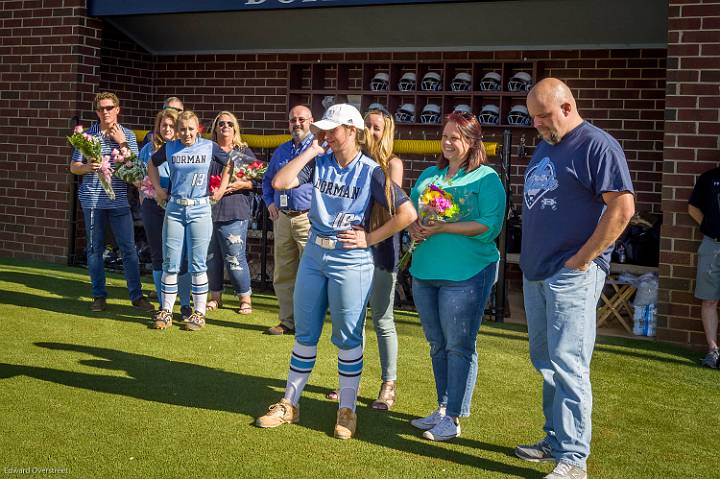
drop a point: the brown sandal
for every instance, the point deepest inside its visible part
(214, 304)
(245, 308)
(386, 396)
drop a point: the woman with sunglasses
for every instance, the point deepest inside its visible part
(387, 255)
(153, 215)
(187, 216)
(231, 216)
(336, 267)
(454, 267)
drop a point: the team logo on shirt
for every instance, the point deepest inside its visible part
(539, 180)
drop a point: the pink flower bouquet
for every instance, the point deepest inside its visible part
(90, 147)
(127, 166)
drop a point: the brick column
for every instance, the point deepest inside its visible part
(691, 146)
(49, 60)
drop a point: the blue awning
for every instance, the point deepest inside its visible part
(109, 8)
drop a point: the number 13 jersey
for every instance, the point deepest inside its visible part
(189, 166)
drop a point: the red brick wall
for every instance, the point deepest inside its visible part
(692, 146)
(128, 70)
(48, 68)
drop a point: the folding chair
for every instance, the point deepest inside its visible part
(617, 305)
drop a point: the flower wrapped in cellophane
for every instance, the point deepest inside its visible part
(127, 166)
(215, 182)
(246, 167)
(435, 205)
(91, 148)
(148, 190)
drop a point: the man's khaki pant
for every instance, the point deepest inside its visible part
(290, 236)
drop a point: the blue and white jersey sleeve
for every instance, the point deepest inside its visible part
(307, 174)
(145, 156)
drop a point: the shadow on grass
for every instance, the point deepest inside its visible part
(626, 347)
(191, 385)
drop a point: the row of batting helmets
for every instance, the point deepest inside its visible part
(432, 81)
(432, 114)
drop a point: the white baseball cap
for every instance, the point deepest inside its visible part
(340, 114)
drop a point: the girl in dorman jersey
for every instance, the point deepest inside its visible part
(336, 268)
(187, 214)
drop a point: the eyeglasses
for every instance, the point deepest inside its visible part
(106, 108)
(223, 124)
(300, 120)
(179, 110)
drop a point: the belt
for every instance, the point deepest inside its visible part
(293, 213)
(323, 241)
(190, 201)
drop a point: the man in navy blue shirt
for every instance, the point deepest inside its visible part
(578, 198)
(289, 211)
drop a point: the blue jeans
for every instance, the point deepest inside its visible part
(560, 313)
(451, 313)
(193, 223)
(228, 248)
(382, 300)
(339, 279)
(121, 224)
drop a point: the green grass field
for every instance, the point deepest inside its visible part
(102, 396)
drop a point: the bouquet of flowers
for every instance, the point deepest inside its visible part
(148, 190)
(246, 167)
(215, 181)
(435, 206)
(90, 147)
(127, 166)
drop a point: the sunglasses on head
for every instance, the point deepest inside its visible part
(106, 108)
(223, 124)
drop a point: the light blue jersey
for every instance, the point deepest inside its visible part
(343, 197)
(189, 166)
(163, 170)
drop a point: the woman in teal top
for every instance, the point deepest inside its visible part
(454, 267)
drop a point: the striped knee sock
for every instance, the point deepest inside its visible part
(302, 361)
(199, 292)
(169, 290)
(350, 365)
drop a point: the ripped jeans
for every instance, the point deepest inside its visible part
(228, 248)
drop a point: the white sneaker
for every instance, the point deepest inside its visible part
(564, 470)
(429, 422)
(446, 429)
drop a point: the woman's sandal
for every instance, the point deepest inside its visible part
(386, 396)
(245, 308)
(214, 304)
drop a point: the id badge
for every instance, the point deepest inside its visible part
(283, 200)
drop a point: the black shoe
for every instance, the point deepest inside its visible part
(279, 330)
(98, 304)
(712, 360)
(143, 304)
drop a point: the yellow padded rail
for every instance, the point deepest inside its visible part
(407, 147)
